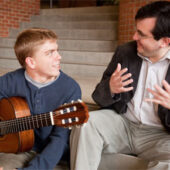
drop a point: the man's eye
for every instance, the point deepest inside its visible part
(142, 35)
(50, 53)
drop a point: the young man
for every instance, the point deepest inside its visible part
(134, 93)
(45, 87)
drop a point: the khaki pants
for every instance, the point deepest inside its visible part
(109, 133)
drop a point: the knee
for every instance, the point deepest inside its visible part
(104, 117)
(96, 115)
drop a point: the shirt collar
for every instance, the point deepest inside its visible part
(37, 84)
(166, 56)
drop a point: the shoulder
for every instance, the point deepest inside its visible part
(12, 83)
(127, 51)
(14, 75)
(67, 79)
(129, 47)
(68, 87)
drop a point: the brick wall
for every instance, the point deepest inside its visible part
(127, 11)
(12, 12)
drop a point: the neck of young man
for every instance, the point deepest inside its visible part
(40, 78)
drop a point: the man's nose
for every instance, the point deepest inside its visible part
(58, 56)
(135, 36)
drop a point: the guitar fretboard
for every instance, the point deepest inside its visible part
(26, 123)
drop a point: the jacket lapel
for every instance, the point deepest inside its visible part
(167, 78)
(134, 67)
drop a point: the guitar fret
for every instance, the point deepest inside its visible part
(26, 125)
(51, 118)
(29, 123)
(37, 122)
(33, 125)
(11, 129)
(16, 126)
(41, 122)
(19, 125)
(45, 120)
(20, 122)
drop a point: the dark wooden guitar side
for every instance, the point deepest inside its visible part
(17, 124)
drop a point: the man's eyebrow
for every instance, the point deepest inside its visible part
(52, 48)
(141, 33)
(49, 50)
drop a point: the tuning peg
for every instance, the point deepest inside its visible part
(84, 125)
(61, 112)
(72, 101)
(63, 121)
(79, 100)
(69, 120)
(74, 108)
(68, 110)
(76, 119)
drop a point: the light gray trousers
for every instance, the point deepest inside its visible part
(107, 133)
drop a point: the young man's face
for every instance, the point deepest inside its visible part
(146, 44)
(46, 60)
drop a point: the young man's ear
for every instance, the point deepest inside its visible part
(30, 62)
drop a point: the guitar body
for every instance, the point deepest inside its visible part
(11, 108)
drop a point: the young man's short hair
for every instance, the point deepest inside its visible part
(28, 40)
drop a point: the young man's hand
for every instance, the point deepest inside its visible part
(161, 96)
(119, 80)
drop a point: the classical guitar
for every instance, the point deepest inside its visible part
(17, 124)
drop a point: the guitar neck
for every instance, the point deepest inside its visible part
(67, 115)
(26, 123)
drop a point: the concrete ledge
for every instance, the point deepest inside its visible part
(87, 86)
(78, 34)
(78, 10)
(72, 25)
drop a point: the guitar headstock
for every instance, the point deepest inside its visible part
(68, 115)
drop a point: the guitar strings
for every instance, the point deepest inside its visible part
(25, 123)
(29, 122)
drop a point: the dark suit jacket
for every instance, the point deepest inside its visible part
(127, 56)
